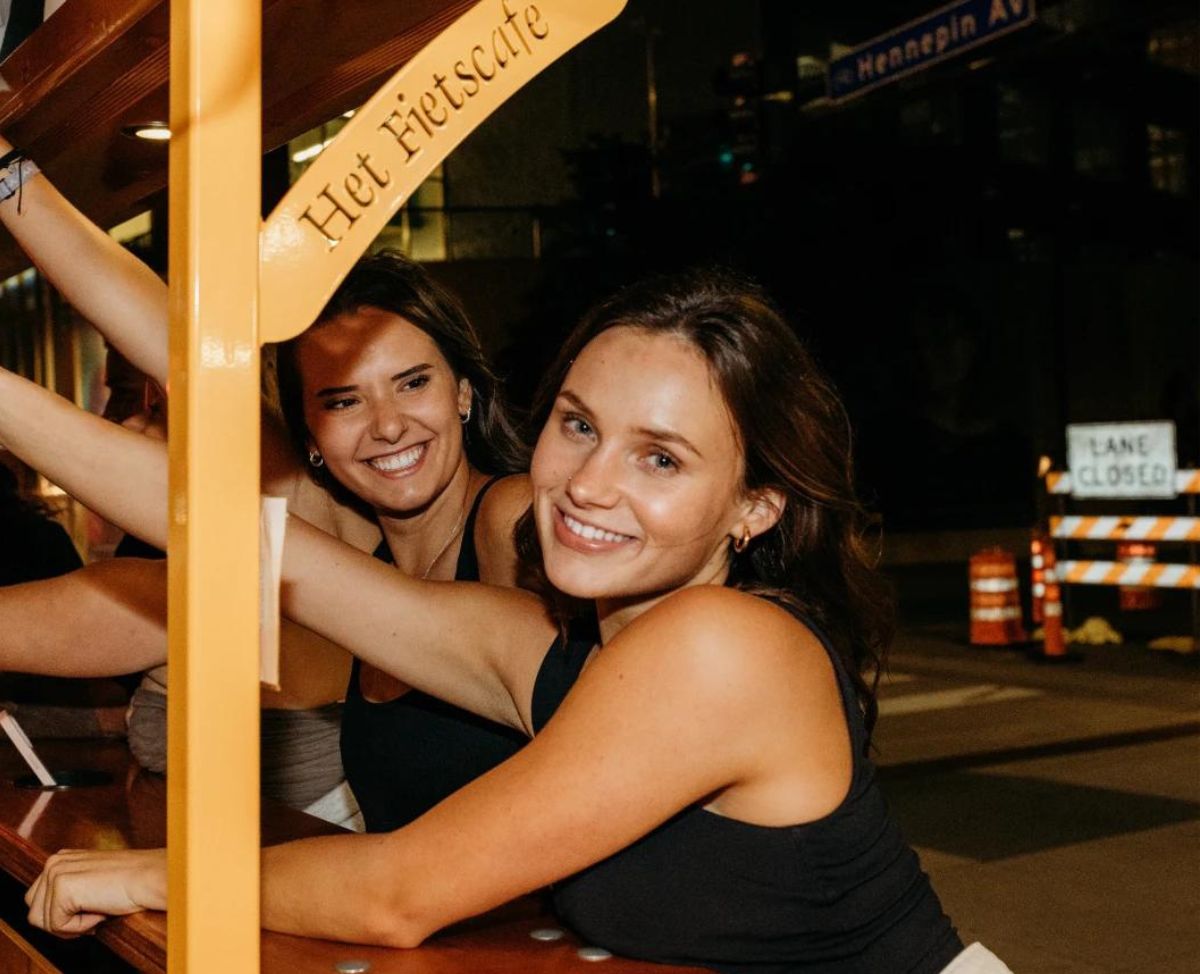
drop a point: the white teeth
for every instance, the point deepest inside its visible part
(590, 533)
(398, 461)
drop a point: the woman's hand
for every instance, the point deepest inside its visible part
(78, 889)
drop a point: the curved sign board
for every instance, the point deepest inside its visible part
(347, 196)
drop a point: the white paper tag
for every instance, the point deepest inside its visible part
(272, 525)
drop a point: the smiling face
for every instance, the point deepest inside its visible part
(382, 407)
(637, 476)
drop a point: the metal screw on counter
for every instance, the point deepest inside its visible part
(547, 934)
(352, 966)
(592, 953)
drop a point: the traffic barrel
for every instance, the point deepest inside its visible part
(1137, 598)
(995, 605)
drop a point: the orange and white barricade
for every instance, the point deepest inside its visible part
(995, 601)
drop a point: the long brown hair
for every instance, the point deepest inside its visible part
(390, 281)
(796, 438)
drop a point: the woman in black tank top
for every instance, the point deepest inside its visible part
(698, 787)
(391, 408)
(391, 398)
(403, 756)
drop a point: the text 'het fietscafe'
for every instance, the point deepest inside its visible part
(414, 122)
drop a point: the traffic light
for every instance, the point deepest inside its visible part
(741, 84)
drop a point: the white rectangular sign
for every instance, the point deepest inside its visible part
(1121, 460)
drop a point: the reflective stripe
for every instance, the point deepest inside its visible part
(1186, 482)
(1158, 575)
(1110, 528)
(996, 615)
(993, 585)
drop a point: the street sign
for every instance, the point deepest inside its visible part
(911, 47)
(1122, 460)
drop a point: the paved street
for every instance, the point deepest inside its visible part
(1055, 807)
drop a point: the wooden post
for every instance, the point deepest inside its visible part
(213, 789)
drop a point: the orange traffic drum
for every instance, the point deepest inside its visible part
(995, 599)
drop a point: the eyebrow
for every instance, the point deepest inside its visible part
(338, 390)
(652, 432)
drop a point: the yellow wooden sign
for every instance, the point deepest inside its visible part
(342, 202)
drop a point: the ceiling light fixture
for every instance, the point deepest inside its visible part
(148, 131)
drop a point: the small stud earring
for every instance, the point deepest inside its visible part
(315, 458)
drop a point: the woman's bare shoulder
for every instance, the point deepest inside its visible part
(506, 500)
(722, 634)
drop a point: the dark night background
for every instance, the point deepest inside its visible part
(980, 253)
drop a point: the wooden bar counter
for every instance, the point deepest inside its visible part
(129, 812)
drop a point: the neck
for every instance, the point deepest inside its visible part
(615, 614)
(428, 539)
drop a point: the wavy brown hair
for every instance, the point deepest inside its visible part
(796, 438)
(390, 281)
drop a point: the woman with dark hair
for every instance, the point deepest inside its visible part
(395, 436)
(698, 787)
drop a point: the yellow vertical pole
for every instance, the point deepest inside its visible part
(212, 787)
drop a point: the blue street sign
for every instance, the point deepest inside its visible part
(942, 34)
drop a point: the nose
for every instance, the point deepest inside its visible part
(596, 481)
(388, 422)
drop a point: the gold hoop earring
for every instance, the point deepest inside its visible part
(315, 458)
(740, 544)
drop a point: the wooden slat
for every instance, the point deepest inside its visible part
(98, 65)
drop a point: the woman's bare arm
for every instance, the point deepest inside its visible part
(120, 474)
(686, 703)
(110, 287)
(103, 620)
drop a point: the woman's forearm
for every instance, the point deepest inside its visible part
(338, 888)
(110, 287)
(119, 474)
(104, 620)
(475, 646)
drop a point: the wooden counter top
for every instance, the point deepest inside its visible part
(130, 812)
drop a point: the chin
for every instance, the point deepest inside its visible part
(571, 580)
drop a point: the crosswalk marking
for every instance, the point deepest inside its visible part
(969, 696)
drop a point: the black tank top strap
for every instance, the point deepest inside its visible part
(860, 740)
(560, 669)
(467, 567)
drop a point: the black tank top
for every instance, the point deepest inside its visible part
(405, 755)
(841, 895)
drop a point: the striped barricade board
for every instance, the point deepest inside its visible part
(1117, 528)
(1186, 482)
(1158, 575)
